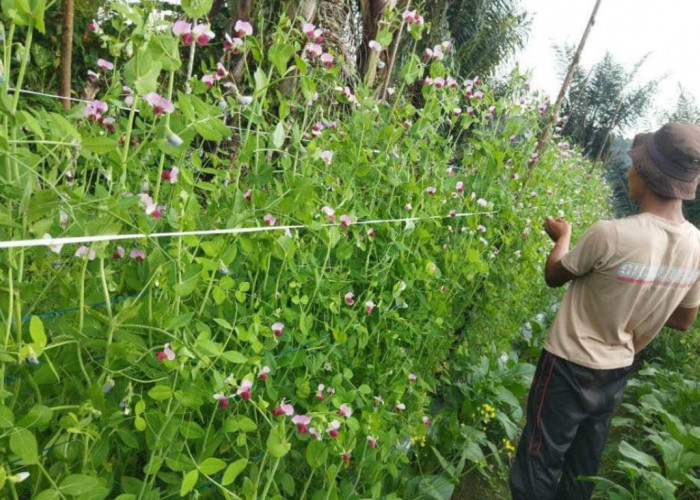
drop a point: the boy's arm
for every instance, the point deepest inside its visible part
(682, 318)
(555, 274)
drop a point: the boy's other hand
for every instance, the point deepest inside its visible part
(557, 228)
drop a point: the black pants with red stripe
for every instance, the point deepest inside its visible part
(569, 410)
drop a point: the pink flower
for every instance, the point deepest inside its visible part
(378, 401)
(84, 251)
(409, 16)
(315, 433)
(369, 307)
(345, 220)
(119, 254)
(543, 108)
(283, 409)
(93, 26)
(222, 399)
(159, 104)
(412, 378)
(248, 195)
(480, 228)
(427, 82)
(270, 220)
(203, 34)
(478, 94)
(92, 76)
(327, 60)
(308, 29)
(408, 207)
(439, 82)
(430, 190)
(371, 233)
(232, 44)
(157, 213)
(170, 175)
(302, 421)
(139, 255)
(105, 65)
(428, 54)
(345, 411)
(470, 111)
(330, 391)
(457, 111)
(346, 456)
(375, 46)
(264, 371)
(333, 429)
(166, 353)
(319, 392)
(314, 49)
(477, 80)
(419, 20)
(446, 46)
(437, 53)
(243, 28)
(95, 110)
(400, 407)
(453, 213)
(244, 389)
(349, 298)
(451, 82)
(482, 202)
(492, 109)
(327, 156)
(221, 70)
(183, 29)
(426, 421)
(278, 329)
(208, 80)
(108, 123)
(328, 211)
(372, 441)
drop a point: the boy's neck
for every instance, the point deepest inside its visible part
(670, 209)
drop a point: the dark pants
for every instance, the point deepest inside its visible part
(569, 410)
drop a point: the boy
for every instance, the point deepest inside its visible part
(630, 277)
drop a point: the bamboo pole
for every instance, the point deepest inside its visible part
(66, 51)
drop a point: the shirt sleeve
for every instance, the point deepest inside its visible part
(692, 298)
(593, 250)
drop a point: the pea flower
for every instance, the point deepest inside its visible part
(349, 298)
(244, 389)
(453, 213)
(232, 44)
(95, 110)
(283, 409)
(264, 371)
(372, 441)
(319, 392)
(302, 421)
(333, 429)
(439, 82)
(371, 233)
(203, 34)
(369, 307)
(19, 477)
(400, 407)
(327, 156)
(428, 81)
(378, 401)
(345, 411)
(84, 251)
(208, 80)
(159, 104)
(492, 109)
(375, 46)
(446, 46)
(345, 220)
(244, 100)
(478, 95)
(480, 228)
(108, 385)
(166, 353)
(315, 433)
(119, 254)
(93, 26)
(428, 54)
(457, 111)
(243, 28)
(430, 190)
(139, 255)
(314, 49)
(105, 65)
(327, 60)
(31, 357)
(438, 55)
(277, 328)
(470, 111)
(330, 391)
(346, 456)
(170, 175)
(308, 29)
(412, 378)
(183, 29)
(54, 248)
(248, 195)
(408, 207)
(270, 220)
(328, 211)
(482, 202)
(426, 421)
(223, 400)
(92, 76)
(543, 108)
(409, 16)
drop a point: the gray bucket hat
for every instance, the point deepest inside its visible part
(668, 160)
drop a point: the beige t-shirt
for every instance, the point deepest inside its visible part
(633, 273)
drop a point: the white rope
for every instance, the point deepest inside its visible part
(52, 96)
(235, 230)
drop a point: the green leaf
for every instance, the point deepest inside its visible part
(233, 470)
(78, 484)
(278, 135)
(260, 80)
(148, 81)
(629, 451)
(188, 482)
(210, 466)
(234, 357)
(36, 330)
(23, 444)
(47, 495)
(279, 54)
(160, 393)
(99, 145)
(277, 446)
(196, 8)
(7, 419)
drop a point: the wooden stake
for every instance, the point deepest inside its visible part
(66, 50)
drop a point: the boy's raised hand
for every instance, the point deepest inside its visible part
(557, 228)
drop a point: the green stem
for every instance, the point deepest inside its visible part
(156, 193)
(270, 479)
(23, 67)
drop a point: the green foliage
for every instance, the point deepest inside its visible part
(139, 368)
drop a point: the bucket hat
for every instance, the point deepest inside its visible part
(668, 160)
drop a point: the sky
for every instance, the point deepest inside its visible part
(668, 31)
